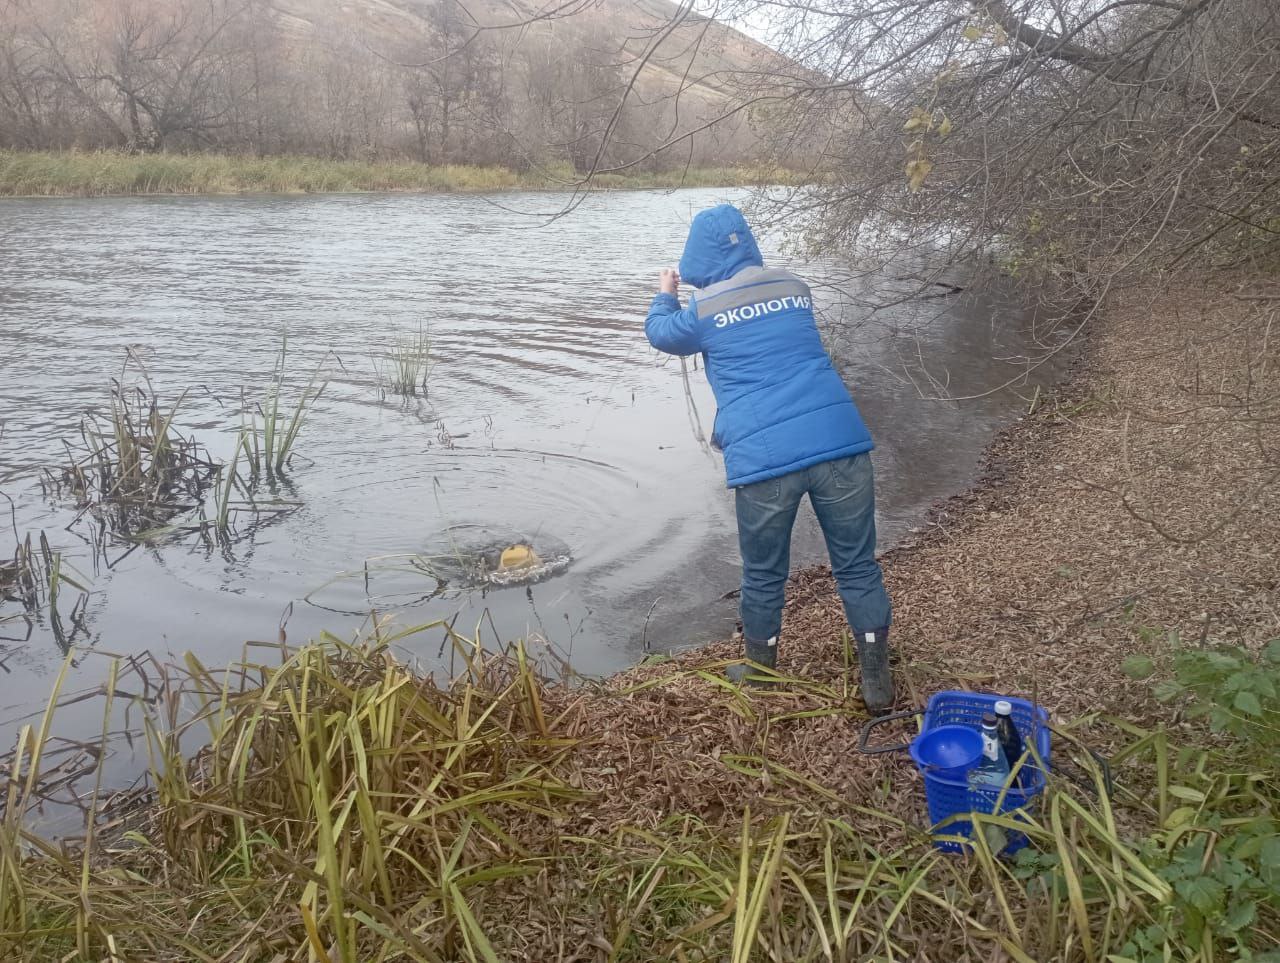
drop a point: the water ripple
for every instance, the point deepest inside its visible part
(546, 413)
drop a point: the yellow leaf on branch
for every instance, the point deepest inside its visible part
(917, 171)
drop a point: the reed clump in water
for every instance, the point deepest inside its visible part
(135, 461)
(410, 364)
(345, 808)
(20, 577)
(269, 445)
(135, 470)
(35, 580)
(266, 447)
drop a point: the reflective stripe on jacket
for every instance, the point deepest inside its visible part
(781, 405)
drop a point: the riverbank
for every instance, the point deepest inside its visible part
(75, 174)
(349, 810)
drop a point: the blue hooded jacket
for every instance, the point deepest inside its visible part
(781, 405)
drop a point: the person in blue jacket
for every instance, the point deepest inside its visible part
(787, 427)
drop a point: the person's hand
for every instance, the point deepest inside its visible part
(669, 281)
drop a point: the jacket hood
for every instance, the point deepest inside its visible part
(720, 245)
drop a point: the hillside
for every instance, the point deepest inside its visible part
(510, 82)
(703, 55)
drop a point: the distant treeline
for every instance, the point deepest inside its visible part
(310, 78)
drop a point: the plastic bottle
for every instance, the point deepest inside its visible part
(1010, 741)
(992, 770)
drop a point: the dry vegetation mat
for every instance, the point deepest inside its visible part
(1118, 565)
(103, 173)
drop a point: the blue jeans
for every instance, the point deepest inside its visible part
(842, 493)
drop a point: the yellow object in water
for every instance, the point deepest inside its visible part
(517, 556)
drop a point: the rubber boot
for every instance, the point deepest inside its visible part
(873, 663)
(758, 654)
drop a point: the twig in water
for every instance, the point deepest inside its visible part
(644, 635)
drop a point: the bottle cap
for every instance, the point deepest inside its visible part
(988, 719)
(1004, 708)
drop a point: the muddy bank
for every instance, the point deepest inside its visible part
(1136, 503)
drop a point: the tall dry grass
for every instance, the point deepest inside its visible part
(345, 808)
(71, 173)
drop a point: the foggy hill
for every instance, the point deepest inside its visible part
(703, 55)
(443, 81)
(676, 73)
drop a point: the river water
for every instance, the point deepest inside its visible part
(547, 414)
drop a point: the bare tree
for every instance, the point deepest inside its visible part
(1064, 132)
(134, 73)
(553, 86)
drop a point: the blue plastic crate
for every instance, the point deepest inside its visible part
(947, 797)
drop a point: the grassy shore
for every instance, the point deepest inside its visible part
(347, 809)
(67, 173)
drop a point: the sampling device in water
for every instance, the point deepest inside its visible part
(477, 556)
(518, 556)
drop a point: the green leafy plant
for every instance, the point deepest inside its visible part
(1224, 875)
(1235, 691)
(1218, 843)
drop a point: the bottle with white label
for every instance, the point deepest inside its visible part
(1010, 740)
(992, 770)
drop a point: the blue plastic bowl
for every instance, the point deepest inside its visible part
(947, 751)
